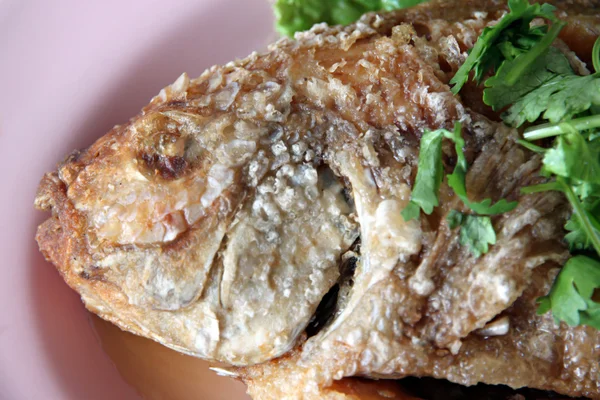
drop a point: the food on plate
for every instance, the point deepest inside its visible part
(414, 194)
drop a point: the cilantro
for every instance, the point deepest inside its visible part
(514, 69)
(548, 130)
(455, 219)
(582, 222)
(512, 39)
(476, 231)
(550, 89)
(573, 157)
(299, 15)
(457, 181)
(560, 98)
(499, 93)
(429, 176)
(578, 237)
(570, 298)
(536, 81)
(586, 223)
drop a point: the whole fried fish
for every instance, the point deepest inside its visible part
(217, 220)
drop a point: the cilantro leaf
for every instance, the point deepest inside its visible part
(510, 37)
(457, 181)
(499, 93)
(513, 70)
(560, 94)
(476, 231)
(578, 238)
(559, 98)
(573, 157)
(584, 224)
(455, 219)
(570, 298)
(411, 211)
(429, 176)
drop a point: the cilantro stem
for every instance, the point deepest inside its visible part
(581, 214)
(596, 55)
(531, 146)
(548, 130)
(542, 187)
(561, 185)
(528, 58)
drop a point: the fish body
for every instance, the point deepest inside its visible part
(216, 220)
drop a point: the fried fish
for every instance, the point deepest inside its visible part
(217, 220)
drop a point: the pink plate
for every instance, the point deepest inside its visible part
(69, 71)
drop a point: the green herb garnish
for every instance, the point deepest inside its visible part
(570, 298)
(579, 237)
(457, 181)
(534, 81)
(425, 191)
(560, 98)
(574, 163)
(511, 39)
(532, 77)
(499, 93)
(429, 177)
(299, 15)
(476, 231)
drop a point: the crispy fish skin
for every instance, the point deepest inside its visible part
(215, 220)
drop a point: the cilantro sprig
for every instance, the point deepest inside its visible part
(499, 93)
(540, 82)
(558, 99)
(457, 181)
(549, 130)
(571, 296)
(430, 170)
(476, 231)
(574, 164)
(511, 39)
(534, 82)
